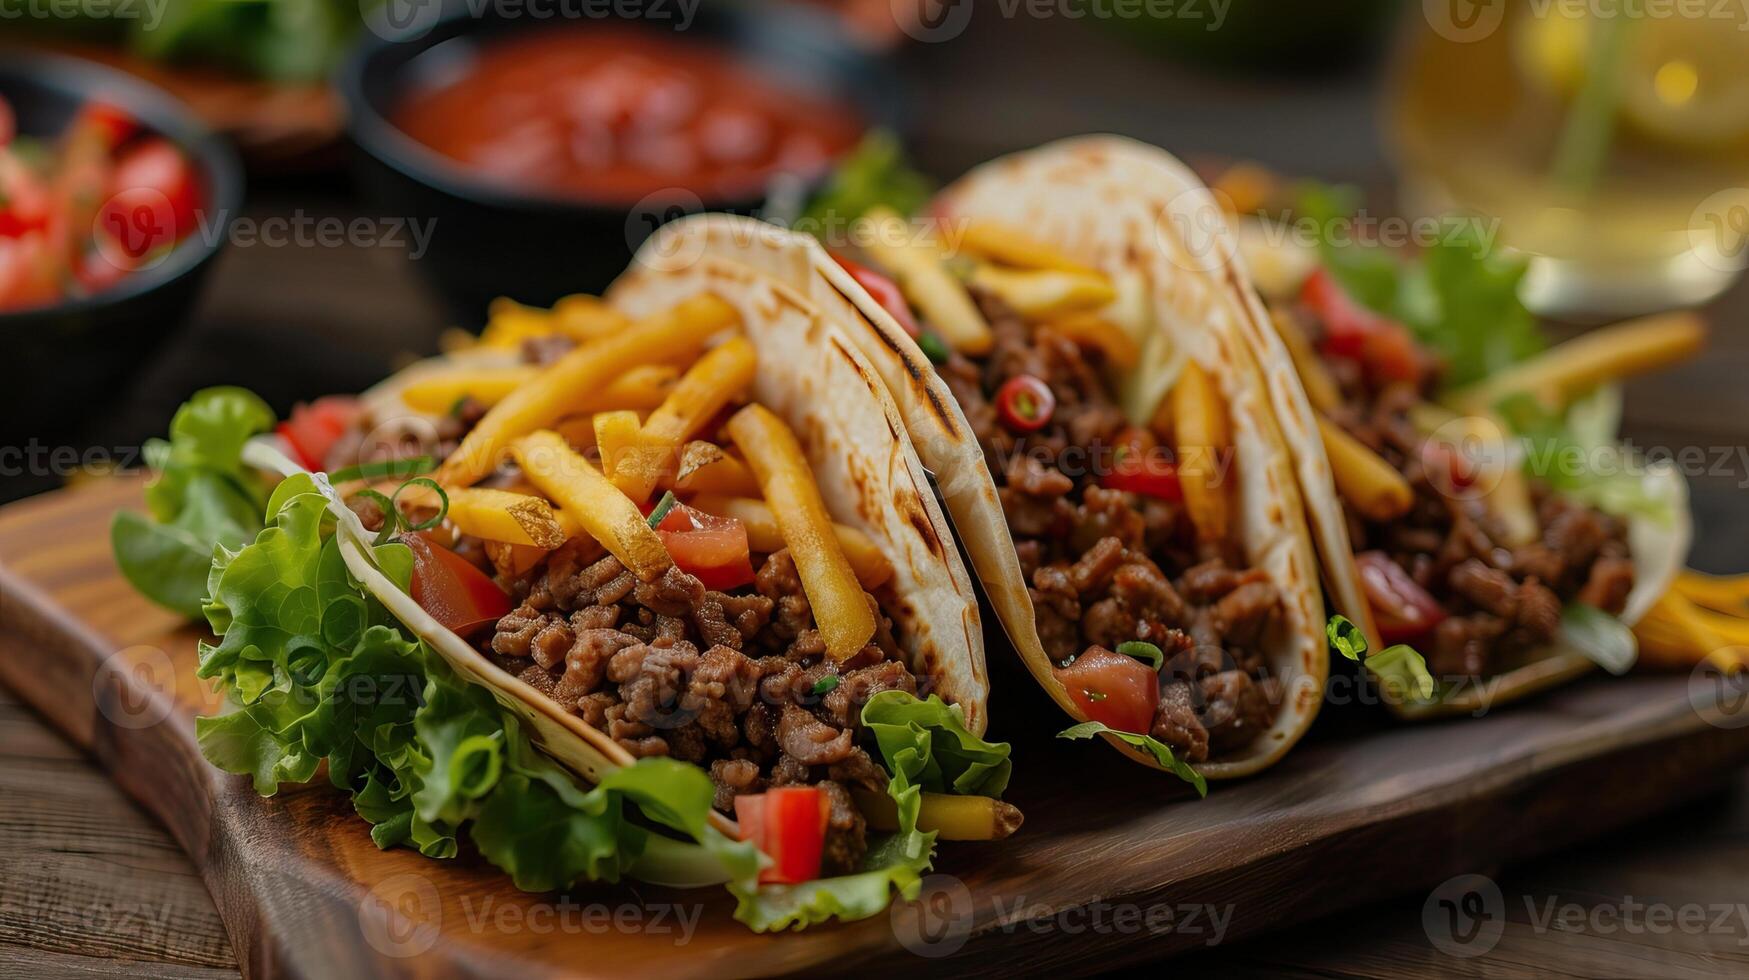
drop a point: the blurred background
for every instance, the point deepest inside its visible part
(406, 160)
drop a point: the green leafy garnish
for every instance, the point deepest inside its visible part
(1399, 669)
(933, 347)
(873, 175)
(663, 506)
(202, 496)
(825, 685)
(1575, 452)
(1143, 651)
(1458, 297)
(1601, 637)
(1161, 752)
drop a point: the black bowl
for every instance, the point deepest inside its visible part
(67, 360)
(490, 241)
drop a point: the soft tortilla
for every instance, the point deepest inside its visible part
(1100, 200)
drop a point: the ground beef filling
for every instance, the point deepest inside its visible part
(1094, 556)
(734, 682)
(1503, 601)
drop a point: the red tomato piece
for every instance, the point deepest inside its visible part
(1405, 612)
(1142, 467)
(25, 203)
(788, 824)
(451, 589)
(714, 549)
(885, 292)
(1120, 692)
(1025, 403)
(1383, 346)
(156, 164)
(313, 428)
(109, 122)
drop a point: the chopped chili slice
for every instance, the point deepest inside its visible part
(1025, 403)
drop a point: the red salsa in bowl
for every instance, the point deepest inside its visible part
(614, 113)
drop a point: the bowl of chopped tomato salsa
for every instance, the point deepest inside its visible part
(113, 198)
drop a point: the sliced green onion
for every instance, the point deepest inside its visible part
(826, 684)
(413, 466)
(1145, 651)
(442, 507)
(391, 517)
(663, 506)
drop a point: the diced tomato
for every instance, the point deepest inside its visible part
(1141, 466)
(1120, 692)
(1405, 612)
(313, 428)
(451, 589)
(156, 164)
(109, 123)
(714, 549)
(1025, 403)
(885, 292)
(1382, 346)
(24, 199)
(787, 823)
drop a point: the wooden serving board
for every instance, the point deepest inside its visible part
(1113, 865)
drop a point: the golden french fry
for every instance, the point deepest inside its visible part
(952, 817)
(1042, 293)
(1726, 594)
(841, 608)
(513, 560)
(599, 507)
(1199, 423)
(871, 566)
(710, 384)
(438, 391)
(1372, 486)
(616, 435)
(1673, 635)
(706, 467)
(510, 518)
(574, 379)
(916, 267)
(1581, 364)
(509, 323)
(1008, 245)
(640, 389)
(1093, 330)
(1321, 389)
(584, 318)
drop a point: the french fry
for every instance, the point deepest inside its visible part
(1372, 486)
(1088, 329)
(1008, 245)
(706, 467)
(1726, 594)
(510, 518)
(513, 560)
(584, 318)
(509, 323)
(1575, 367)
(438, 392)
(917, 268)
(569, 383)
(599, 507)
(1043, 293)
(717, 378)
(616, 435)
(1674, 635)
(1321, 389)
(952, 817)
(871, 566)
(841, 610)
(1199, 423)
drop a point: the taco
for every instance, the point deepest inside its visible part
(678, 545)
(1101, 438)
(1465, 485)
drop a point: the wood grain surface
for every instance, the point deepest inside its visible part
(1355, 815)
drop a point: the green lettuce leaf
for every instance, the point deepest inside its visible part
(1601, 637)
(201, 497)
(1161, 752)
(875, 174)
(1576, 453)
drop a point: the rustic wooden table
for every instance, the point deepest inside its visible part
(92, 887)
